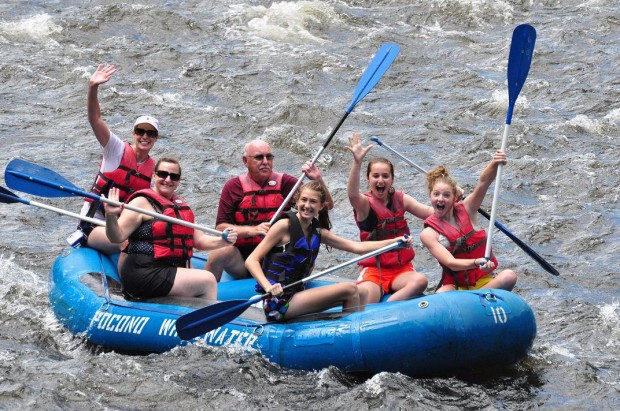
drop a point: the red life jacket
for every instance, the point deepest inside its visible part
(259, 204)
(164, 239)
(465, 242)
(390, 224)
(129, 177)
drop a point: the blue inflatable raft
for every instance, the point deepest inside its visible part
(429, 335)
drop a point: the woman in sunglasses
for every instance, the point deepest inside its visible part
(158, 252)
(125, 166)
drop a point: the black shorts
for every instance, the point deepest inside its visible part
(144, 276)
(245, 250)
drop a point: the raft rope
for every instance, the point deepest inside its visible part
(104, 283)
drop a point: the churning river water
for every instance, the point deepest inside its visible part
(219, 73)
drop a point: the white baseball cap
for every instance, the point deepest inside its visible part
(147, 120)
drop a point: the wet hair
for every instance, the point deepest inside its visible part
(168, 160)
(379, 160)
(324, 213)
(440, 174)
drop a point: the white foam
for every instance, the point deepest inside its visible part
(11, 274)
(562, 351)
(611, 319)
(290, 21)
(373, 386)
(613, 117)
(499, 101)
(585, 123)
(39, 27)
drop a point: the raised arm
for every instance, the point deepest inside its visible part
(473, 201)
(359, 201)
(100, 128)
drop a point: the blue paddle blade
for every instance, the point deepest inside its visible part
(201, 321)
(375, 70)
(40, 181)
(519, 61)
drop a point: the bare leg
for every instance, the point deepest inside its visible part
(226, 259)
(505, 280)
(370, 292)
(407, 285)
(194, 283)
(444, 288)
(99, 241)
(363, 293)
(321, 298)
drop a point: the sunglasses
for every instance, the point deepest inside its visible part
(260, 157)
(141, 132)
(164, 174)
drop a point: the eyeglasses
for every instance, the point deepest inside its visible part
(260, 157)
(141, 132)
(164, 174)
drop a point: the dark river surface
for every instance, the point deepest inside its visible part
(218, 74)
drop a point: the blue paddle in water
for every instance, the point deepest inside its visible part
(8, 197)
(375, 70)
(43, 182)
(543, 263)
(205, 319)
(519, 60)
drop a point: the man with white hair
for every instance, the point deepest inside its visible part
(248, 202)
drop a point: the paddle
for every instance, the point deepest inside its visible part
(8, 197)
(205, 319)
(519, 60)
(37, 180)
(373, 73)
(543, 263)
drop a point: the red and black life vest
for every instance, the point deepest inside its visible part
(391, 223)
(465, 242)
(297, 260)
(161, 239)
(259, 204)
(129, 177)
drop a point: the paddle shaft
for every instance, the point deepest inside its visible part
(496, 189)
(373, 73)
(303, 175)
(209, 318)
(337, 267)
(77, 192)
(519, 61)
(543, 263)
(14, 198)
(346, 264)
